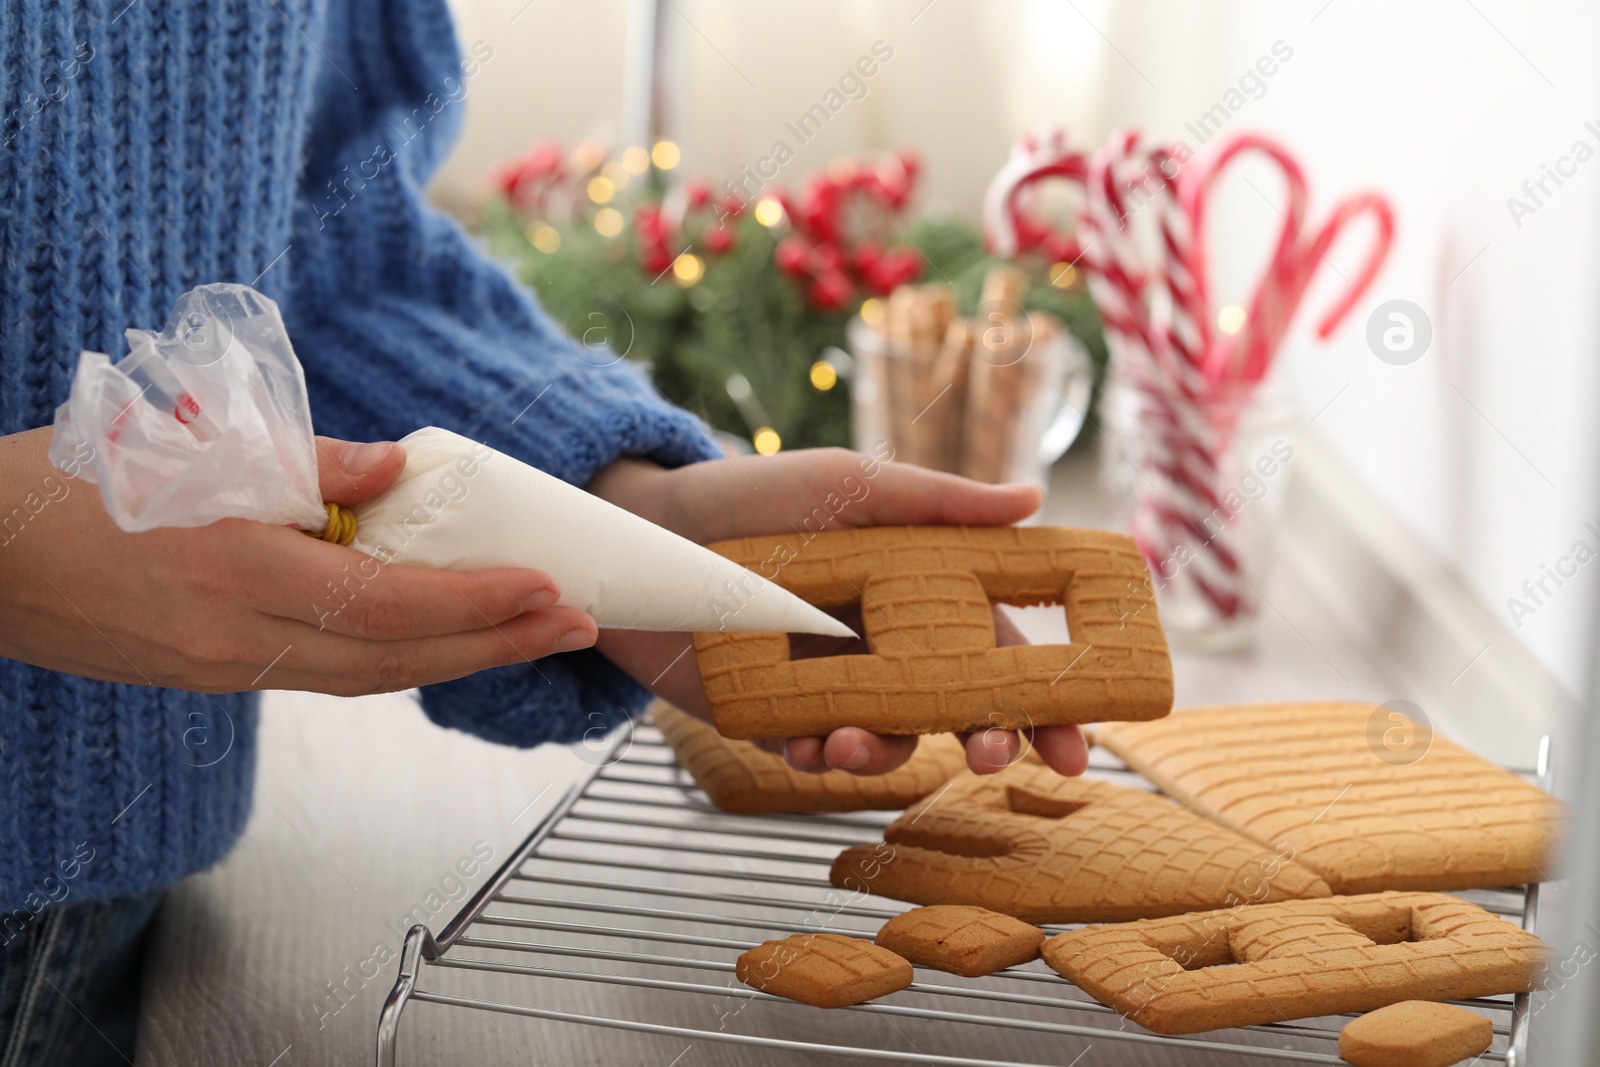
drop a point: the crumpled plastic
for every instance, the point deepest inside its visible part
(206, 420)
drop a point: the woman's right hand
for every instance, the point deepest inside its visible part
(241, 605)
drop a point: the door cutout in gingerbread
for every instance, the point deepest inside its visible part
(932, 665)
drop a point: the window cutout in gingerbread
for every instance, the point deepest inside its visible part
(1296, 959)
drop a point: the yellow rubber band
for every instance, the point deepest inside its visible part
(341, 528)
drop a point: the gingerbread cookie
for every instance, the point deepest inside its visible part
(823, 970)
(1334, 785)
(925, 594)
(1029, 843)
(1415, 1033)
(1294, 959)
(962, 940)
(741, 778)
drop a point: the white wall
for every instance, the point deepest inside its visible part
(1486, 446)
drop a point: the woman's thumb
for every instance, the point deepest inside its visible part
(352, 471)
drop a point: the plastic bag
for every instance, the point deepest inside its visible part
(209, 420)
(206, 420)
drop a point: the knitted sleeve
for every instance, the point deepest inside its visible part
(401, 323)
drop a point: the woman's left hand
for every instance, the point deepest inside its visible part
(817, 489)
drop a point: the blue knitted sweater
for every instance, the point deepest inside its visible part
(152, 146)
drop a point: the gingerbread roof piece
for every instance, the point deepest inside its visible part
(1368, 801)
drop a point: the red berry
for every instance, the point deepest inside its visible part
(824, 258)
(790, 256)
(831, 291)
(717, 240)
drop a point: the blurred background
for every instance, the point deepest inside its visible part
(1482, 448)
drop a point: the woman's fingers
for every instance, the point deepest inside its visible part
(1062, 748)
(903, 495)
(348, 592)
(349, 666)
(849, 749)
(349, 472)
(859, 752)
(837, 488)
(992, 750)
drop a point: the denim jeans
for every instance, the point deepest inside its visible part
(69, 984)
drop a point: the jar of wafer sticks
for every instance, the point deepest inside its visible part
(997, 396)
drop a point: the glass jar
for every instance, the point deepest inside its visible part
(999, 414)
(1201, 486)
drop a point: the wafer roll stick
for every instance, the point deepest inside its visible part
(1000, 339)
(949, 404)
(931, 315)
(898, 322)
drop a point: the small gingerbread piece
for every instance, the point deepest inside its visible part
(1415, 1033)
(962, 940)
(926, 595)
(739, 777)
(823, 970)
(1265, 963)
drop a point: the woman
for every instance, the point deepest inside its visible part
(152, 146)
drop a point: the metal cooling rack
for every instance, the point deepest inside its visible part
(634, 882)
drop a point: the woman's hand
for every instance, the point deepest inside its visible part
(241, 605)
(817, 489)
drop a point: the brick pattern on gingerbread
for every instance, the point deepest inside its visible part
(1276, 962)
(1029, 843)
(1313, 776)
(739, 777)
(961, 939)
(925, 595)
(823, 970)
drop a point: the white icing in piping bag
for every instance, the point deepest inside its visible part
(461, 506)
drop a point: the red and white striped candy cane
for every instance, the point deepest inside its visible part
(1178, 495)
(1036, 155)
(1295, 258)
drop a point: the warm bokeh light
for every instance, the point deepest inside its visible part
(823, 375)
(1230, 319)
(688, 268)
(545, 237)
(872, 311)
(767, 441)
(589, 155)
(769, 212)
(608, 222)
(1062, 275)
(665, 155)
(636, 160)
(615, 173)
(601, 190)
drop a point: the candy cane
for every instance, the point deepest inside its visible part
(1163, 362)
(1037, 155)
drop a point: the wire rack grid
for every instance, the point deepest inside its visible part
(638, 890)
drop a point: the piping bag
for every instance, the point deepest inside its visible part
(209, 420)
